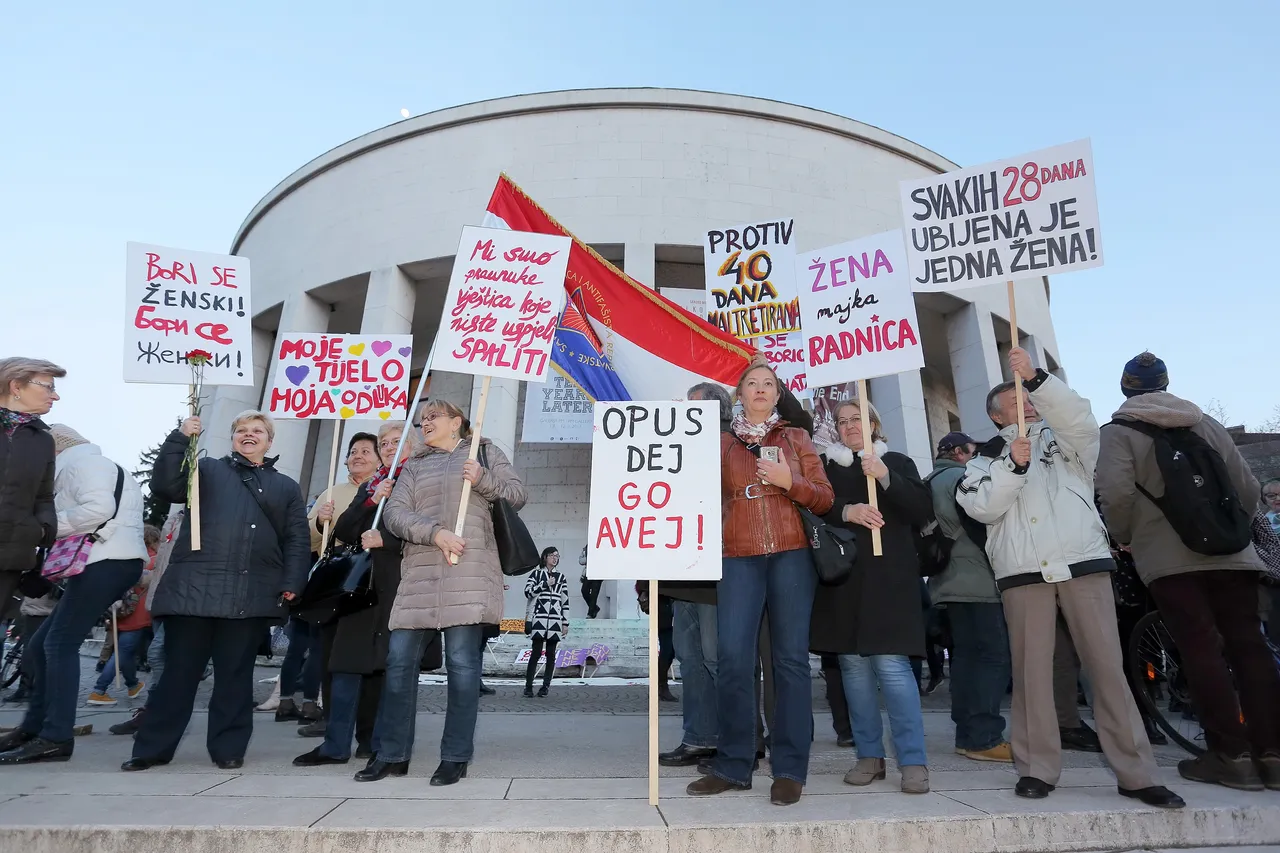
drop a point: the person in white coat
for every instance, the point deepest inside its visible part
(1049, 550)
(92, 495)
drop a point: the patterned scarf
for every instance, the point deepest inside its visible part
(12, 420)
(378, 478)
(753, 433)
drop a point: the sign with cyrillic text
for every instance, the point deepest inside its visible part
(339, 377)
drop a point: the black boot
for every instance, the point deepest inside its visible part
(528, 690)
(378, 769)
(38, 749)
(543, 691)
(486, 690)
(287, 710)
(1154, 735)
(449, 773)
(129, 726)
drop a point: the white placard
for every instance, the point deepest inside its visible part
(177, 301)
(339, 377)
(655, 492)
(505, 297)
(557, 411)
(859, 311)
(1022, 217)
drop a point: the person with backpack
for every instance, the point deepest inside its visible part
(980, 667)
(1049, 550)
(1177, 492)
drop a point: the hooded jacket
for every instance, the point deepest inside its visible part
(1128, 457)
(1041, 522)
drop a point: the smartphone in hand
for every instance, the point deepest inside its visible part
(770, 453)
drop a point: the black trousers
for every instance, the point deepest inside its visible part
(591, 595)
(532, 669)
(189, 643)
(835, 697)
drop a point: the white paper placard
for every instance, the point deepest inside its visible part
(340, 377)
(556, 411)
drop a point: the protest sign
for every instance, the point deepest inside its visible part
(1022, 217)
(858, 309)
(557, 411)
(177, 301)
(655, 492)
(504, 301)
(340, 376)
(825, 402)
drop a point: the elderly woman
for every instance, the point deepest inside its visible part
(448, 583)
(873, 620)
(28, 519)
(359, 656)
(219, 601)
(766, 561)
(94, 496)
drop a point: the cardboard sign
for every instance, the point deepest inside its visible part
(177, 301)
(504, 301)
(655, 492)
(557, 411)
(859, 311)
(1023, 217)
(338, 377)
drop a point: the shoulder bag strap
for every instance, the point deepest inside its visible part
(250, 483)
(118, 492)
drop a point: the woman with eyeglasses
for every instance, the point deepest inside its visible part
(448, 583)
(873, 620)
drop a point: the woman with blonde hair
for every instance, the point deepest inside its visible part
(448, 583)
(873, 620)
(767, 468)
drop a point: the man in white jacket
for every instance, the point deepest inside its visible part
(1049, 549)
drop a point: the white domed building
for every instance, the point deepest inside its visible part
(362, 238)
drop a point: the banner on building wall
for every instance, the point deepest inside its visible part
(339, 377)
(504, 301)
(1017, 218)
(655, 492)
(557, 411)
(693, 301)
(859, 311)
(752, 293)
(177, 301)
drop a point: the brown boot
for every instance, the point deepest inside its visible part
(866, 771)
(709, 786)
(785, 792)
(1214, 768)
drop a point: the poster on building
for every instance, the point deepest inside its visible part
(1021, 217)
(655, 492)
(825, 402)
(557, 411)
(859, 311)
(339, 377)
(693, 301)
(504, 301)
(177, 301)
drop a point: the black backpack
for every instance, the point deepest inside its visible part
(934, 547)
(1199, 501)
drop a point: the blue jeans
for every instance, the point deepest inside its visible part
(398, 712)
(786, 582)
(304, 642)
(344, 702)
(127, 649)
(980, 673)
(53, 653)
(694, 638)
(860, 675)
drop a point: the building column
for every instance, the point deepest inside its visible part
(638, 261)
(900, 401)
(500, 412)
(975, 367)
(302, 312)
(227, 401)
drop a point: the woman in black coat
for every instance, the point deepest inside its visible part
(359, 656)
(218, 601)
(28, 519)
(873, 621)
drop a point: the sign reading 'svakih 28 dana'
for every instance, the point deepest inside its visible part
(1022, 217)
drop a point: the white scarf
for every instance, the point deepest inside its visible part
(841, 454)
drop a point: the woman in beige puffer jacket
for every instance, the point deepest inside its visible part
(434, 595)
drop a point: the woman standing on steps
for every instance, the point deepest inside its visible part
(546, 617)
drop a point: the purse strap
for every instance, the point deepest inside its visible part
(119, 491)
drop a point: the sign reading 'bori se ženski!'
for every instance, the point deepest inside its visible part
(655, 492)
(1021, 217)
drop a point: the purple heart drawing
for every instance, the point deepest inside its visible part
(367, 387)
(380, 348)
(297, 373)
(404, 351)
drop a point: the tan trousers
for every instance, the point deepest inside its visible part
(1089, 607)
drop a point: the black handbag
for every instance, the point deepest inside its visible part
(834, 549)
(340, 583)
(517, 552)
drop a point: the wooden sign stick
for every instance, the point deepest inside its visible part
(475, 451)
(864, 414)
(193, 499)
(333, 473)
(653, 693)
(1017, 383)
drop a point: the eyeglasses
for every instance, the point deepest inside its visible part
(433, 417)
(848, 422)
(1271, 496)
(48, 386)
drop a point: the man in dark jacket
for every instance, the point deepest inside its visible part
(218, 602)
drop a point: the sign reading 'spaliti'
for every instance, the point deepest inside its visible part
(504, 300)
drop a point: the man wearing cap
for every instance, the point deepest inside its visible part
(980, 641)
(1209, 603)
(1049, 550)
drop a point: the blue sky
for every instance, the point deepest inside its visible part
(166, 124)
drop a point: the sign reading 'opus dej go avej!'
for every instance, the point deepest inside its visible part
(339, 377)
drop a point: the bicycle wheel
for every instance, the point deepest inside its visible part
(1155, 668)
(9, 671)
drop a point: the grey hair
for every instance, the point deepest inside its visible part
(993, 400)
(255, 415)
(873, 415)
(23, 370)
(712, 391)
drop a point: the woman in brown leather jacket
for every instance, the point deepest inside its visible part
(766, 561)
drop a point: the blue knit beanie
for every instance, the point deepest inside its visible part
(1144, 374)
